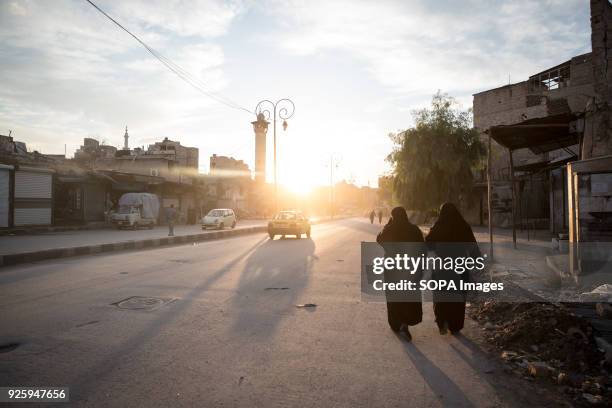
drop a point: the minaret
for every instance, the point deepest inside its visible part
(125, 140)
(260, 127)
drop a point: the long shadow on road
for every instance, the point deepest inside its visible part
(445, 389)
(86, 381)
(272, 279)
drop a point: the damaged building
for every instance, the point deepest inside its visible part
(551, 148)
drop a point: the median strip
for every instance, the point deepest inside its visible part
(55, 253)
(66, 252)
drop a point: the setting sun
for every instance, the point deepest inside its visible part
(298, 180)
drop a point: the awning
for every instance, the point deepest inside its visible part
(539, 135)
(545, 165)
(129, 181)
(72, 179)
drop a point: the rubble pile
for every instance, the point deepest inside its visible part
(543, 340)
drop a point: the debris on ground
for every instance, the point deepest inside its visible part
(545, 341)
(306, 305)
(602, 293)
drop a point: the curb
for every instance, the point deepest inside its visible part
(55, 253)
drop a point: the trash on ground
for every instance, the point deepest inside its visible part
(545, 341)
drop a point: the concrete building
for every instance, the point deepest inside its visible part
(223, 166)
(26, 186)
(551, 145)
(172, 150)
(229, 184)
(542, 121)
(92, 150)
(165, 168)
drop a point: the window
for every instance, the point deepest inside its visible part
(77, 199)
(554, 78)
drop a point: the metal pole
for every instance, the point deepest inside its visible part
(275, 175)
(489, 210)
(286, 110)
(513, 199)
(331, 187)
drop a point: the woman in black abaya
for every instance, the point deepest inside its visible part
(403, 309)
(451, 236)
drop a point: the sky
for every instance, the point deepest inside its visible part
(354, 69)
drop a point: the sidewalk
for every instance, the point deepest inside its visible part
(52, 240)
(16, 249)
(524, 266)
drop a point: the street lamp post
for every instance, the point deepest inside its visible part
(333, 162)
(282, 109)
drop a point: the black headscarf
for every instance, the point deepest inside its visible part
(450, 226)
(399, 228)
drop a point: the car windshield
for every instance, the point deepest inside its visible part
(216, 213)
(286, 216)
(126, 209)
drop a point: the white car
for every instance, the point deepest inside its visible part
(219, 218)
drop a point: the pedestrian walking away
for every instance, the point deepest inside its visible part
(404, 309)
(170, 218)
(451, 236)
(372, 215)
(380, 215)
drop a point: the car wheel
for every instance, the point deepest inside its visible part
(233, 224)
(271, 235)
(221, 226)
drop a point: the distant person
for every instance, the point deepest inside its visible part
(380, 214)
(403, 308)
(451, 236)
(372, 215)
(171, 218)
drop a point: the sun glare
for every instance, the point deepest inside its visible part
(299, 181)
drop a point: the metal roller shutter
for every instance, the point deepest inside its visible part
(29, 184)
(4, 197)
(33, 197)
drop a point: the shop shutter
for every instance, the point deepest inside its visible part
(33, 194)
(4, 197)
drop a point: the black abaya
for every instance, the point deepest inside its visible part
(451, 236)
(399, 229)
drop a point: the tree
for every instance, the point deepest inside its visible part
(433, 161)
(385, 189)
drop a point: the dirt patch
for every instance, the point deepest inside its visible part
(544, 341)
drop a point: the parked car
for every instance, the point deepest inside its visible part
(219, 218)
(136, 210)
(289, 223)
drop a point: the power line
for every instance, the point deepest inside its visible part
(175, 68)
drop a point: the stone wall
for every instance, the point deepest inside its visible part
(598, 127)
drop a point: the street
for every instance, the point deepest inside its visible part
(223, 329)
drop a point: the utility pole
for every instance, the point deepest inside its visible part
(489, 195)
(331, 183)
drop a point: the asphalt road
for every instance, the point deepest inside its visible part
(227, 334)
